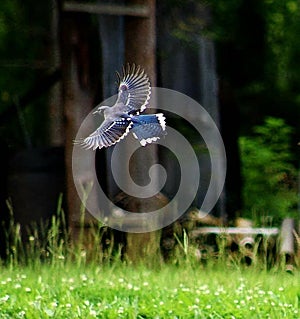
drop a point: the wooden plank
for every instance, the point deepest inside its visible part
(235, 230)
(128, 10)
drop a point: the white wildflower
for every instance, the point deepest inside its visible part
(121, 310)
(93, 312)
(83, 277)
(5, 298)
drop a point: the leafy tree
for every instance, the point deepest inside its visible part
(24, 55)
(270, 186)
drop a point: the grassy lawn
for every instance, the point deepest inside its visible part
(53, 277)
(71, 291)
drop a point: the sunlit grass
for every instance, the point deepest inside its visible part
(138, 292)
(51, 276)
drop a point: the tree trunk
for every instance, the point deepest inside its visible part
(78, 97)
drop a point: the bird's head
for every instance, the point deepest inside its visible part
(101, 109)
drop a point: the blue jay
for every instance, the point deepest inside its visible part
(124, 116)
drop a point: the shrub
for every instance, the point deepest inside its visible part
(269, 176)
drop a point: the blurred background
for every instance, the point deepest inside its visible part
(238, 58)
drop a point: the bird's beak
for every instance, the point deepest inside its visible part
(97, 111)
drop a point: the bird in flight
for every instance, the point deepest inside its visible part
(134, 92)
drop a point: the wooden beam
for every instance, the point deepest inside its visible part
(110, 9)
(235, 230)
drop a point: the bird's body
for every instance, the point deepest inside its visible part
(124, 116)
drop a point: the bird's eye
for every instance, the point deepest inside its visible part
(123, 87)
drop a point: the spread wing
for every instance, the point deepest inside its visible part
(109, 133)
(134, 89)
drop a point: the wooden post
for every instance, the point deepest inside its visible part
(287, 248)
(140, 48)
(78, 95)
(140, 39)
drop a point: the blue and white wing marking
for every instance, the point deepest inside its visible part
(148, 128)
(108, 134)
(134, 89)
(133, 97)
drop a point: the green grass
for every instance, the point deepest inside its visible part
(49, 275)
(138, 292)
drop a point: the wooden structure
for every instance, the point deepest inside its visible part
(80, 89)
(248, 240)
(80, 82)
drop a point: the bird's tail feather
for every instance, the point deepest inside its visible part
(148, 128)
